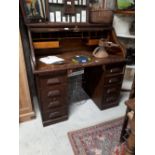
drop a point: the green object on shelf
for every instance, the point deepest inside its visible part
(125, 4)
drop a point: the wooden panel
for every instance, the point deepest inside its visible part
(102, 88)
(54, 97)
(47, 44)
(55, 113)
(55, 120)
(26, 110)
(115, 68)
(92, 42)
(125, 12)
(68, 64)
(52, 80)
(112, 80)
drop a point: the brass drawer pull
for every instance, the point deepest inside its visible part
(54, 114)
(111, 99)
(54, 99)
(53, 81)
(114, 70)
(113, 80)
(111, 90)
(53, 104)
(53, 93)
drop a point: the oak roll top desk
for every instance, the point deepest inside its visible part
(102, 78)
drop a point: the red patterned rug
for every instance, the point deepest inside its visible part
(101, 139)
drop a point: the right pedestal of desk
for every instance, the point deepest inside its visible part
(103, 84)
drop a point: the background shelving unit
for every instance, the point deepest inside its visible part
(122, 23)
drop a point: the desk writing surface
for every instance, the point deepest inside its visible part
(68, 64)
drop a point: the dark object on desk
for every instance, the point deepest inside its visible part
(81, 59)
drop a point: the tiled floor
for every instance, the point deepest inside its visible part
(52, 140)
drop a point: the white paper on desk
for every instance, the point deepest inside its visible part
(51, 60)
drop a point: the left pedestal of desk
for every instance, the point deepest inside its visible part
(52, 95)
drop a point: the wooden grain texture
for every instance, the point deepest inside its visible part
(125, 12)
(113, 38)
(104, 86)
(26, 111)
(69, 64)
(70, 25)
(47, 44)
(92, 42)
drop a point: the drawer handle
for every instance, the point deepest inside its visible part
(110, 90)
(53, 81)
(54, 114)
(111, 99)
(53, 93)
(53, 104)
(113, 70)
(113, 80)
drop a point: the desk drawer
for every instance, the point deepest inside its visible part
(111, 95)
(113, 80)
(52, 80)
(108, 91)
(57, 90)
(54, 97)
(110, 99)
(55, 113)
(54, 102)
(114, 68)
